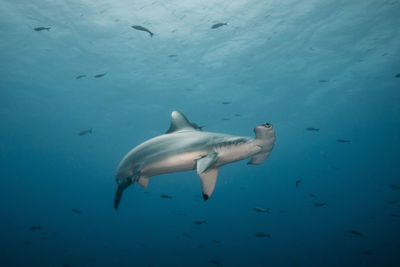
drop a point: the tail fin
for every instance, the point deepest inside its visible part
(118, 194)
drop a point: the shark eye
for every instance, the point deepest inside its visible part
(268, 125)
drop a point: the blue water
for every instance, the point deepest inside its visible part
(330, 65)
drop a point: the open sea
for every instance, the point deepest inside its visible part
(80, 87)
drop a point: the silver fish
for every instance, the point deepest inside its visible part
(217, 25)
(141, 28)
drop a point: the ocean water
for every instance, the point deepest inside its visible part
(329, 65)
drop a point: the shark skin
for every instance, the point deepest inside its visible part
(185, 147)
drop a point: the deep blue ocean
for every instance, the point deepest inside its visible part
(325, 73)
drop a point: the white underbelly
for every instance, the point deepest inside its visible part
(175, 163)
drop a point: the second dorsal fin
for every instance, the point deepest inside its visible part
(180, 123)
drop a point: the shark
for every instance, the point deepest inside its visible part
(184, 147)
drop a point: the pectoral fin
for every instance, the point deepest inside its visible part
(143, 181)
(208, 181)
(206, 162)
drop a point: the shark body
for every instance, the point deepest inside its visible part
(185, 147)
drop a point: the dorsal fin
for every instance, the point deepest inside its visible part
(180, 123)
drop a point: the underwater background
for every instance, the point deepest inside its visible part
(326, 74)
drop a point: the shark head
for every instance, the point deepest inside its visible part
(265, 132)
(265, 139)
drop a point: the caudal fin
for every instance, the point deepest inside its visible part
(118, 194)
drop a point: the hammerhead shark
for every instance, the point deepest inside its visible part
(185, 147)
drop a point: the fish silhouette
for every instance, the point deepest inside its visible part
(354, 232)
(141, 28)
(87, 131)
(217, 25)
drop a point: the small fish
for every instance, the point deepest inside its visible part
(26, 243)
(393, 186)
(298, 182)
(178, 213)
(216, 262)
(226, 102)
(141, 28)
(147, 192)
(334, 167)
(165, 196)
(391, 202)
(80, 76)
(198, 222)
(76, 211)
(38, 29)
(261, 234)
(368, 252)
(343, 141)
(354, 232)
(258, 209)
(225, 119)
(87, 131)
(217, 25)
(395, 215)
(397, 75)
(312, 195)
(172, 55)
(323, 81)
(185, 234)
(100, 75)
(237, 115)
(201, 246)
(35, 228)
(320, 204)
(312, 129)
(215, 241)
